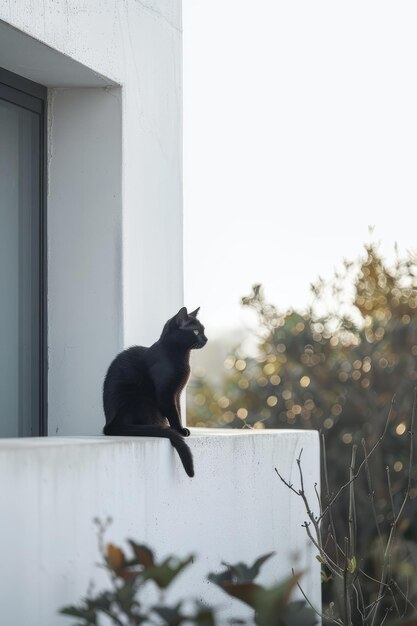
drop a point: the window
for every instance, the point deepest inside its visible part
(22, 257)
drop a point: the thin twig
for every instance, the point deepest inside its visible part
(318, 497)
(302, 493)
(372, 450)
(352, 509)
(337, 571)
(326, 480)
(375, 580)
(398, 516)
(346, 595)
(321, 615)
(410, 458)
(394, 600)
(334, 568)
(371, 493)
(359, 599)
(404, 595)
(373, 604)
(391, 497)
(349, 571)
(329, 537)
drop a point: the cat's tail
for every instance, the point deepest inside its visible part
(183, 450)
(175, 438)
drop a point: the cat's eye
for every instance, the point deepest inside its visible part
(196, 332)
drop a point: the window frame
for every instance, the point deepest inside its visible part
(33, 97)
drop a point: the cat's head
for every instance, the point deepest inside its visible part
(185, 329)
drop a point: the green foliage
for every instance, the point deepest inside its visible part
(240, 573)
(337, 371)
(173, 616)
(142, 565)
(272, 606)
(130, 573)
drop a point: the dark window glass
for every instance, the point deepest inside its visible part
(22, 263)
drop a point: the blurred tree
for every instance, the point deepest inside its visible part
(336, 371)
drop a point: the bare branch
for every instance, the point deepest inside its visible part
(318, 497)
(346, 595)
(404, 595)
(326, 480)
(374, 447)
(394, 524)
(359, 599)
(410, 459)
(352, 509)
(371, 491)
(287, 484)
(324, 617)
(391, 498)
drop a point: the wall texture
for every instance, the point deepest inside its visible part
(113, 69)
(234, 509)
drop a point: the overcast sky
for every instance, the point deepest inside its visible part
(300, 131)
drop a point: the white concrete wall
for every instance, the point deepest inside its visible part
(235, 509)
(84, 254)
(113, 70)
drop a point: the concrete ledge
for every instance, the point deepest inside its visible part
(235, 509)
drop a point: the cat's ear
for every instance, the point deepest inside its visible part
(194, 313)
(181, 316)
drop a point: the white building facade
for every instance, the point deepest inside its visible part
(114, 197)
(105, 272)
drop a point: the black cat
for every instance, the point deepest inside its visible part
(141, 392)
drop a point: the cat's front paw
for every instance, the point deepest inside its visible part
(184, 432)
